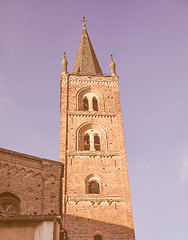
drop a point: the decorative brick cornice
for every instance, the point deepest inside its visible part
(91, 114)
(93, 199)
(31, 218)
(97, 79)
(64, 80)
(95, 154)
(7, 159)
(92, 81)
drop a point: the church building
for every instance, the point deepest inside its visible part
(86, 195)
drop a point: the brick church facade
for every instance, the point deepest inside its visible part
(86, 195)
(30, 197)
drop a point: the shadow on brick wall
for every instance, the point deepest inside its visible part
(86, 229)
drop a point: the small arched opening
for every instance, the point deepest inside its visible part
(95, 104)
(97, 144)
(97, 237)
(93, 187)
(86, 142)
(85, 104)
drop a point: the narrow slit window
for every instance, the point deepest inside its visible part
(85, 104)
(86, 142)
(93, 187)
(97, 144)
(95, 104)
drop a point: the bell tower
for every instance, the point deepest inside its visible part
(96, 202)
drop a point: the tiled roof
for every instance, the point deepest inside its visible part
(86, 61)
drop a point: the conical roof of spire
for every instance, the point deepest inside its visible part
(86, 60)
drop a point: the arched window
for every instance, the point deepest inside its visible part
(86, 142)
(85, 104)
(93, 184)
(9, 204)
(95, 98)
(97, 145)
(93, 187)
(97, 237)
(95, 104)
(97, 140)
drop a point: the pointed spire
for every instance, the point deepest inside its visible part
(64, 64)
(86, 60)
(112, 66)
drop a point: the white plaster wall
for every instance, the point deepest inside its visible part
(44, 231)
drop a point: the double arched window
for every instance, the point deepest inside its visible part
(92, 137)
(90, 99)
(90, 102)
(92, 141)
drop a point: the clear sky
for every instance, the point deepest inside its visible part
(149, 42)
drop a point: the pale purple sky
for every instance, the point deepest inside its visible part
(149, 42)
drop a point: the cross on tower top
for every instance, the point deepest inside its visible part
(84, 21)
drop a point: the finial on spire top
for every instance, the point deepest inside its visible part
(84, 22)
(112, 60)
(65, 54)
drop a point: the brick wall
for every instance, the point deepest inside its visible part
(108, 213)
(35, 181)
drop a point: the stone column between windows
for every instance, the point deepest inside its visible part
(91, 138)
(90, 102)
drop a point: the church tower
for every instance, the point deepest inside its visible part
(96, 203)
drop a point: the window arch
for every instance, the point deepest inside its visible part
(97, 237)
(95, 99)
(93, 184)
(92, 137)
(91, 140)
(95, 104)
(9, 204)
(85, 104)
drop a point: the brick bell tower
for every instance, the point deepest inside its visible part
(96, 193)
